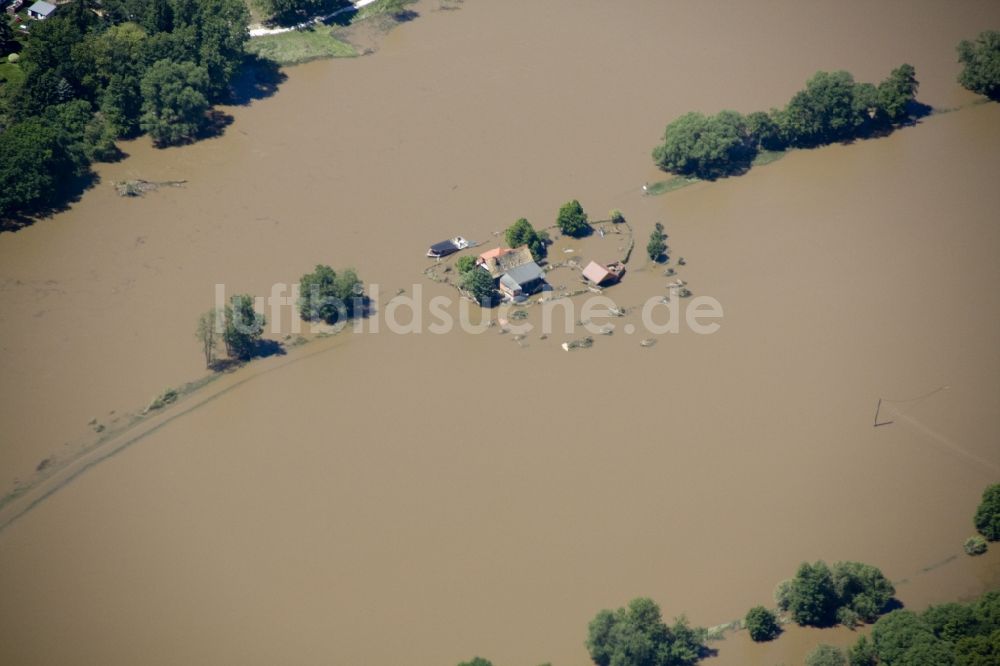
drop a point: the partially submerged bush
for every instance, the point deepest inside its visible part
(762, 624)
(159, 402)
(826, 655)
(987, 517)
(465, 264)
(975, 545)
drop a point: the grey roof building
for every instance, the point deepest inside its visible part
(41, 10)
(524, 279)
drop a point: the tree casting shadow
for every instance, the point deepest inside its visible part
(258, 78)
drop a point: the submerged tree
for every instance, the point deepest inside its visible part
(812, 599)
(243, 327)
(862, 588)
(762, 624)
(657, 245)
(175, 101)
(981, 60)
(208, 335)
(480, 284)
(897, 92)
(825, 111)
(324, 294)
(522, 233)
(636, 635)
(987, 518)
(706, 146)
(826, 655)
(572, 220)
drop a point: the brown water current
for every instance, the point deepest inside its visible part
(382, 498)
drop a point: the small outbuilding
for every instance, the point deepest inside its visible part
(604, 275)
(522, 280)
(41, 10)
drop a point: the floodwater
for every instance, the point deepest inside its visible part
(383, 498)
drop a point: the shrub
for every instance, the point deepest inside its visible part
(657, 245)
(465, 264)
(987, 517)
(826, 655)
(975, 545)
(477, 661)
(480, 285)
(616, 216)
(13, 58)
(781, 590)
(848, 617)
(168, 397)
(762, 624)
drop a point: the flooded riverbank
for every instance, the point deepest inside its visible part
(475, 495)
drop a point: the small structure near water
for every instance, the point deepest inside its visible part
(604, 275)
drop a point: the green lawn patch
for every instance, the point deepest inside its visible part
(671, 184)
(768, 156)
(10, 73)
(393, 8)
(298, 46)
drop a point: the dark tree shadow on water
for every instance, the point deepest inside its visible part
(346, 18)
(267, 348)
(891, 605)
(216, 125)
(405, 16)
(67, 192)
(917, 110)
(257, 79)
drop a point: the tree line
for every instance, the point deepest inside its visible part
(832, 107)
(636, 635)
(951, 634)
(137, 66)
(986, 520)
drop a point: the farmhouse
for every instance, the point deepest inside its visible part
(505, 260)
(522, 280)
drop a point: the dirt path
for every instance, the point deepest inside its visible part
(260, 30)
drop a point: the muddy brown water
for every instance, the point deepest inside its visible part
(424, 498)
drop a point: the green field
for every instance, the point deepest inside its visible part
(300, 46)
